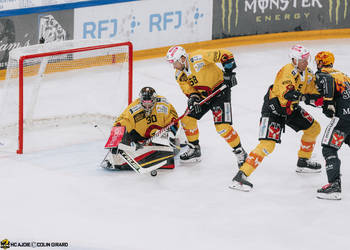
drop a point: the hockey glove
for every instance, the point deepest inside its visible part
(328, 109)
(193, 104)
(313, 100)
(229, 76)
(292, 95)
(230, 79)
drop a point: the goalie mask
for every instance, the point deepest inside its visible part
(148, 97)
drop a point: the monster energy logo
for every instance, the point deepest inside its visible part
(279, 10)
(229, 14)
(337, 9)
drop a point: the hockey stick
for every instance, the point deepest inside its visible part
(164, 129)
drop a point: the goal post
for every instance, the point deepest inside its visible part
(64, 64)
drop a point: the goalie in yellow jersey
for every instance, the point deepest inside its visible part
(198, 75)
(140, 121)
(295, 82)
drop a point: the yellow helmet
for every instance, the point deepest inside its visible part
(326, 57)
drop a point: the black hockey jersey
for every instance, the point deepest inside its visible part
(336, 89)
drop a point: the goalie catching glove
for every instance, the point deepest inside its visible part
(193, 103)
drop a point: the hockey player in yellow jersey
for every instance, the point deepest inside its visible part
(142, 119)
(294, 82)
(198, 75)
(147, 114)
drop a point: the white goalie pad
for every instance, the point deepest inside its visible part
(139, 154)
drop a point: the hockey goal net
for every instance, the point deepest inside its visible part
(63, 83)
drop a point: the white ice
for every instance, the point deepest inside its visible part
(60, 194)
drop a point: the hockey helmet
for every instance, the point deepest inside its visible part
(175, 53)
(148, 98)
(299, 52)
(326, 57)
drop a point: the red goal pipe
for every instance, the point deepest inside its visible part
(61, 52)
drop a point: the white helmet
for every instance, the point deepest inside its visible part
(175, 53)
(299, 52)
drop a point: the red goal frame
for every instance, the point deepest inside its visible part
(61, 52)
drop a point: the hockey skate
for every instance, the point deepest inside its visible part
(241, 155)
(193, 154)
(307, 166)
(331, 191)
(241, 183)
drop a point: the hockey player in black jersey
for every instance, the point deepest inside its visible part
(335, 88)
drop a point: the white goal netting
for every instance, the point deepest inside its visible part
(65, 84)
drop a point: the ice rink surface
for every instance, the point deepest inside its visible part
(60, 194)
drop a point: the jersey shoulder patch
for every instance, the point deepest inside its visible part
(162, 99)
(196, 58)
(135, 108)
(161, 108)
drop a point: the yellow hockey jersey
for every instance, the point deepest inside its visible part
(289, 78)
(134, 117)
(202, 74)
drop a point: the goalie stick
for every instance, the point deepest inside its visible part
(164, 129)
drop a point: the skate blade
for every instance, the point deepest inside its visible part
(193, 160)
(307, 170)
(332, 196)
(238, 186)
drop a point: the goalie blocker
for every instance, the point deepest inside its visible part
(123, 155)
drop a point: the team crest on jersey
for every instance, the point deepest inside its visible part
(135, 108)
(138, 117)
(162, 109)
(274, 131)
(217, 112)
(196, 58)
(294, 72)
(338, 138)
(198, 66)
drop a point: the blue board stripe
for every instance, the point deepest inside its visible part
(57, 7)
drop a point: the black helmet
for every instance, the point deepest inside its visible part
(148, 98)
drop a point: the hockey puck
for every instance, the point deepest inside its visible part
(154, 173)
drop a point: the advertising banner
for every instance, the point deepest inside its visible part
(147, 24)
(18, 4)
(19, 31)
(250, 17)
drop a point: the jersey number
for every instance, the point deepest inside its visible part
(151, 118)
(193, 80)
